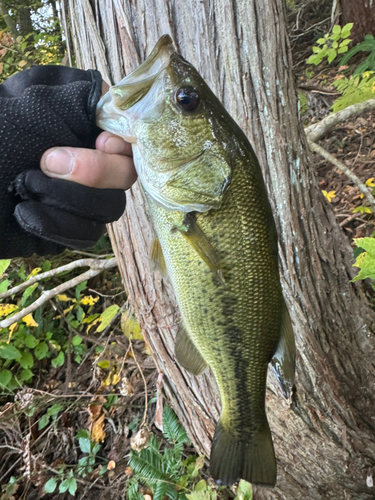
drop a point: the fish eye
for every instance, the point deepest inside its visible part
(187, 98)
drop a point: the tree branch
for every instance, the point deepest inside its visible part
(317, 130)
(318, 149)
(91, 263)
(96, 268)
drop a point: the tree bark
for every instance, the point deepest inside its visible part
(324, 437)
(362, 14)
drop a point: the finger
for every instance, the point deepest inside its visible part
(93, 168)
(112, 144)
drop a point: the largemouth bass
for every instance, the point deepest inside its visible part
(218, 241)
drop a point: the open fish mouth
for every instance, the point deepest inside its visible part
(132, 89)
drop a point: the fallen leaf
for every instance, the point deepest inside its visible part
(29, 320)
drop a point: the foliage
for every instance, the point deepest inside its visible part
(354, 90)
(41, 335)
(167, 474)
(368, 45)
(331, 45)
(86, 464)
(365, 260)
(43, 45)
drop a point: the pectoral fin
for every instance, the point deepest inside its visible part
(284, 359)
(199, 241)
(187, 354)
(157, 257)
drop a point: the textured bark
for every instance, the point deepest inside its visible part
(324, 438)
(362, 14)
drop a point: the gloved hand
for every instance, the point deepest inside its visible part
(40, 108)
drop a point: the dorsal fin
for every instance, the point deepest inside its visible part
(157, 257)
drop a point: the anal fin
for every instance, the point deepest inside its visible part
(187, 354)
(284, 359)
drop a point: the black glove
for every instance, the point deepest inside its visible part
(40, 108)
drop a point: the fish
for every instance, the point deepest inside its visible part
(217, 241)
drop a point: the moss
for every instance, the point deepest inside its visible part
(302, 102)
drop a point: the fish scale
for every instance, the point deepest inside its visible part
(218, 243)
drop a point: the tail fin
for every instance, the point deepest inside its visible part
(235, 457)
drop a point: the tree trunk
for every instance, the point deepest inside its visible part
(362, 14)
(324, 438)
(25, 26)
(9, 21)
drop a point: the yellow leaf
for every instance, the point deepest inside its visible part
(29, 320)
(11, 330)
(68, 309)
(370, 182)
(89, 300)
(1, 67)
(92, 324)
(64, 298)
(329, 195)
(97, 430)
(6, 309)
(105, 364)
(116, 379)
(34, 272)
(22, 63)
(131, 327)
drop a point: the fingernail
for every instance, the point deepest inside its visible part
(113, 145)
(60, 162)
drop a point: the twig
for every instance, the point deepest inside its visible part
(96, 268)
(318, 149)
(91, 263)
(316, 131)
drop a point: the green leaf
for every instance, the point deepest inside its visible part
(368, 244)
(46, 266)
(79, 289)
(85, 445)
(7, 351)
(50, 485)
(320, 41)
(31, 341)
(173, 430)
(362, 210)
(43, 422)
(41, 350)
(244, 491)
(64, 486)
(72, 486)
(26, 361)
(5, 378)
(336, 30)
(26, 375)
(26, 294)
(76, 340)
(341, 50)
(331, 55)
(335, 45)
(59, 360)
(107, 316)
(201, 486)
(366, 260)
(4, 264)
(345, 32)
(316, 50)
(54, 410)
(344, 43)
(4, 285)
(315, 59)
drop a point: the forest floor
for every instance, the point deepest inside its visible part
(109, 398)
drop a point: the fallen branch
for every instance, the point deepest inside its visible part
(96, 267)
(91, 263)
(317, 130)
(318, 149)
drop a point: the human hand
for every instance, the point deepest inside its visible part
(109, 166)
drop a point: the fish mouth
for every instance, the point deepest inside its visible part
(136, 85)
(115, 112)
